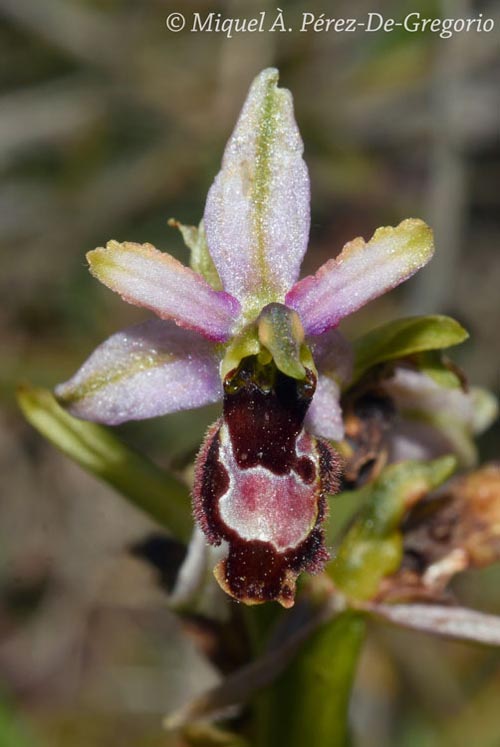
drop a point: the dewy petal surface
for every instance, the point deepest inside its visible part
(361, 272)
(257, 211)
(324, 417)
(147, 370)
(144, 276)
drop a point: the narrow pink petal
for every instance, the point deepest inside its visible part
(144, 276)
(324, 417)
(147, 370)
(333, 355)
(363, 271)
(257, 211)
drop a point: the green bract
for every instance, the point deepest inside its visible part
(200, 260)
(372, 548)
(405, 337)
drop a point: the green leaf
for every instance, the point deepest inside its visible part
(438, 368)
(308, 704)
(100, 452)
(372, 548)
(404, 337)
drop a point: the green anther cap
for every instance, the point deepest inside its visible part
(280, 331)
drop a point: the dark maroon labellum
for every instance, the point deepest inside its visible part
(260, 484)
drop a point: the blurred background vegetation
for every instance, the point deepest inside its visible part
(109, 126)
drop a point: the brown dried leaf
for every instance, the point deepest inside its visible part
(464, 516)
(456, 529)
(368, 415)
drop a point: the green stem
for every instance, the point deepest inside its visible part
(100, 452)
(308, 705)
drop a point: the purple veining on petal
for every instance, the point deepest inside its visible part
(142, 372)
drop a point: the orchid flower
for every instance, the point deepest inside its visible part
(434, 420)
(242, 329)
